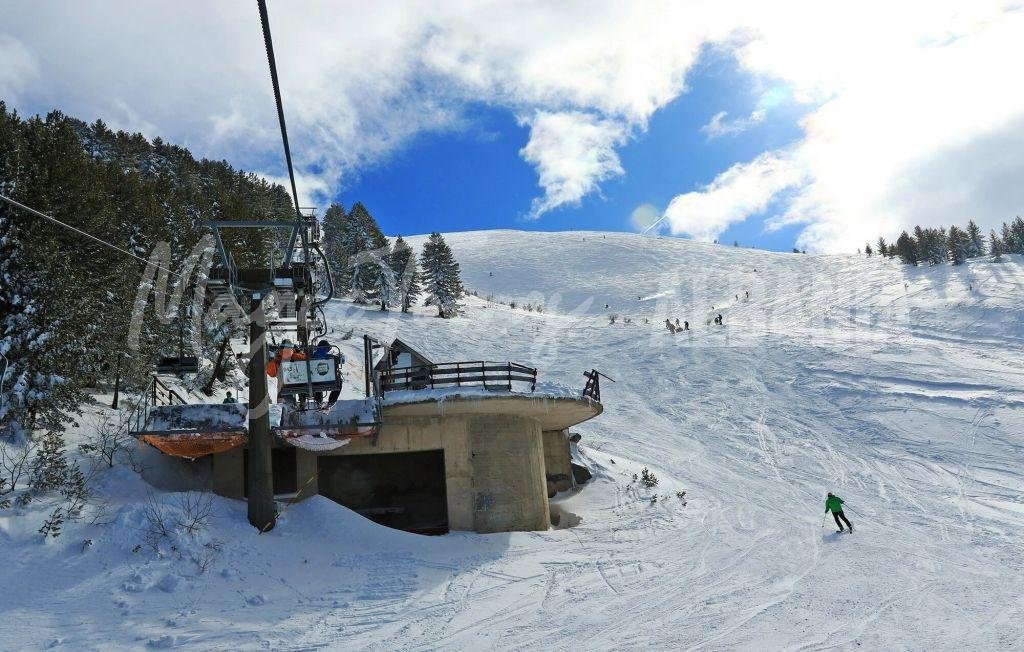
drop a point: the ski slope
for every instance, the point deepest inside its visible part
(900, 389)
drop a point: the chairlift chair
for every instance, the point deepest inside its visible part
(177, 365)
(324, 375)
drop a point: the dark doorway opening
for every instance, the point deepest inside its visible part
(405, 491)
(282, 463)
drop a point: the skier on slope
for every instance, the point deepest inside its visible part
(834, 504)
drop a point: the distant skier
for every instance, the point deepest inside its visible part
(748, 293)
(686, 325)
(834, 504)
(677, 325)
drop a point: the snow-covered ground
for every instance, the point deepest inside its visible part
(899, 389)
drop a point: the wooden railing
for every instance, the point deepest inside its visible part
(489, 375)
(156, 394)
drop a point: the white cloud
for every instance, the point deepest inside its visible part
(719, 126)
(915, 117)
(573, 153)
(913, 105)
(743, 190)
(18, 67)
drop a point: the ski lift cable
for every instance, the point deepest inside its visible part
(33, 211)
(268, 42)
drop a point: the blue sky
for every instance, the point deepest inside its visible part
(834, 126)
(474, 178)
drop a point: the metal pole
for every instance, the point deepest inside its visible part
(262, 511)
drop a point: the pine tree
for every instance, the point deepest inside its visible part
(1017, 235)
(333, 239)
(906, 249)
(364, 244)
(403, 265)
(995, 247)
(1007, 237)
(383, 287)
(883, 248)
(867, 249)
(65, 301)
(958, 245)
(977, 241)
(441, 276)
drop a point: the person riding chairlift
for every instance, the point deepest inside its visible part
(286, 353)
(323, 352)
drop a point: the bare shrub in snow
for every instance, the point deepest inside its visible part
(512, 305)
(188, 513)
(648, 479)
(194, 511)
(158, 521)
(612, 317)
(14, 459)
(205, 557)
(108, 441)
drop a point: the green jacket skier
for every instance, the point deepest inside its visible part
(834, 504)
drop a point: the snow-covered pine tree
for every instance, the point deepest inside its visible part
(441, 280)
(995, 247)
(958, 245)
(383, 289)
(883, 248)
(977, 240)
(364, 243)
(1007, 239)
(403, 264)
(30, 388)
(867, 249)
(906, 249)
(1017, 235)
(333, 241)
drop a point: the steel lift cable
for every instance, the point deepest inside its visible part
(268, 41)
(33, 211)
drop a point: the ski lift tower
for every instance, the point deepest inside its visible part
(293, 285)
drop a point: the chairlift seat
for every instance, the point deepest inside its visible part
(178, 365)
(324, 375)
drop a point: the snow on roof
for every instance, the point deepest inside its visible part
(543, 391)
(205, 417)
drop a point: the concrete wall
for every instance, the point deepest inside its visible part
(228, 474)
(450, 434)
(557, 461)
(494, 465)
(508, 474)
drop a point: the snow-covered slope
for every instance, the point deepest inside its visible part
(899, 389)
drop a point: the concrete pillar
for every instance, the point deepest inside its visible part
(458, 470)
(509, 488)
(557, 461)
(305, 472)
(228, 475)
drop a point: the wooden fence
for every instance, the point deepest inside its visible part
(489, 375)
